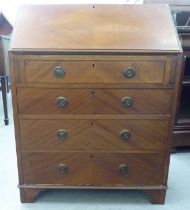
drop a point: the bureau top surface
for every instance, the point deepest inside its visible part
(63, 28)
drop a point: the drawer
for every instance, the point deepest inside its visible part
(118, 71)
(55, 134)
(56, 168)
(94, 101)
(130, 134)
(96, 169)
(54, 101)
(94, 134)
(128, 169)
(132, 101)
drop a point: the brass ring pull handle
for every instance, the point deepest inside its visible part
(129, 72)
(62, 168)
(61, 102)
(125, 135)
(122, 169)
(62, 134)
(127, 101)
(59, 72)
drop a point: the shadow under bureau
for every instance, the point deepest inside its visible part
(94, 95)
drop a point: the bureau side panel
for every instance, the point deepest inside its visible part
(15, 78)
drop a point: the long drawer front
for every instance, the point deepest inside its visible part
(94, 101)
(96, 169)
(94, 134)
(118, 71)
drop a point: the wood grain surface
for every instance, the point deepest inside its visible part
(94, 134)
(94, 101)
(95, 27)
(95, 71)
(93, 169)
(44, 168)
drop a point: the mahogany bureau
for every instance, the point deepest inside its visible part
(94, 94)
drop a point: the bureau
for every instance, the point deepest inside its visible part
(94, 96)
